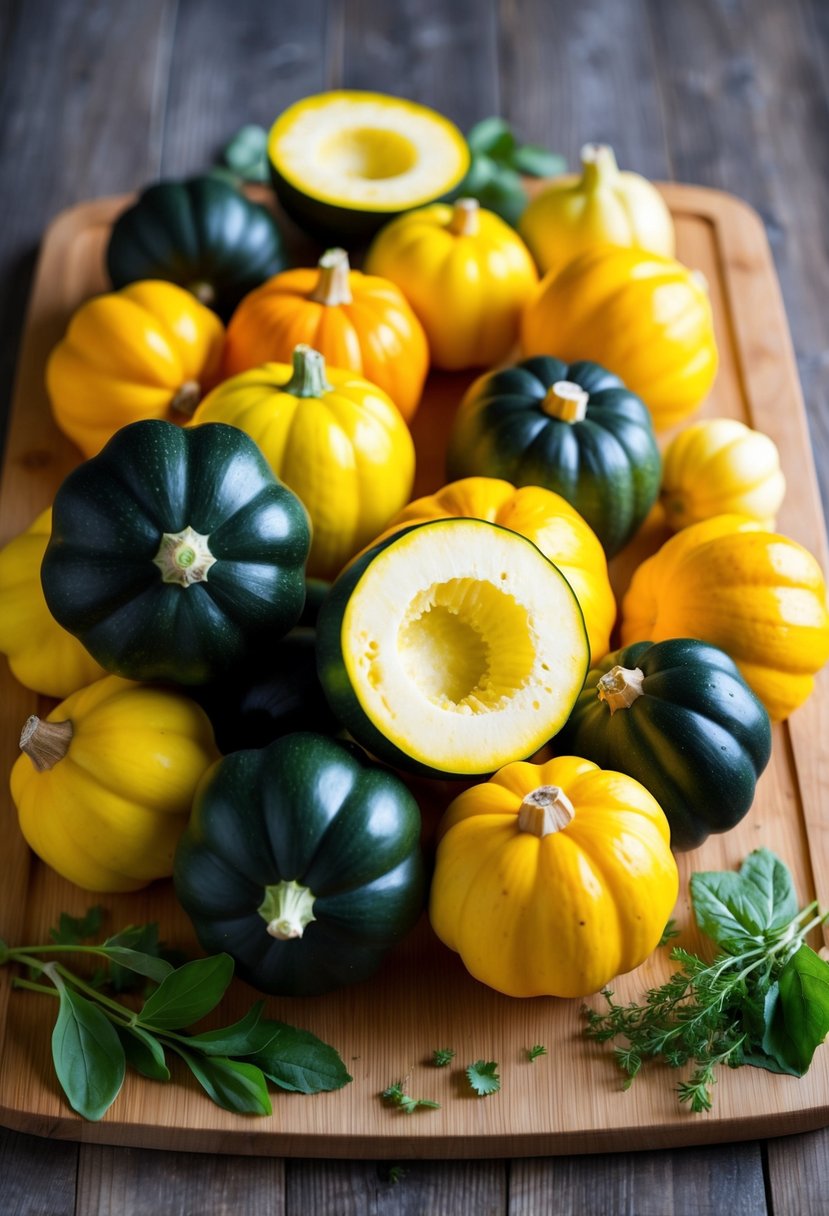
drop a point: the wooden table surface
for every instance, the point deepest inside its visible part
(101, 96)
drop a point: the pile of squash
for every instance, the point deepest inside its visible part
(237, 563)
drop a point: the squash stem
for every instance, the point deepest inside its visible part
(465, 219)
(620, 687)
(308, 378)
(187, 398)
(45, 743)
(184, 557)
(286, 909)
(333, 285)
(599, 167)
(545, 810)
(566, 401)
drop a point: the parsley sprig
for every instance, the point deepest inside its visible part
(96, 1037)
(763, 1000)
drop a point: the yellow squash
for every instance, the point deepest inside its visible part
(334, 439)
(548, 521)
(105, 786)
(646, 318)
(551, 879)
(466, 274)
(757, 595)
(147, 351)
(602, 207)
(721, 467)
(42, 655)
(356, 321)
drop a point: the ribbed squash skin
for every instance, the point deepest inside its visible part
(109, 516)
(315, 811)
(200, 233)
(697, 738)
(606, 465)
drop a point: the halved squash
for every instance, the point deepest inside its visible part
(452, 648)
(344, 162)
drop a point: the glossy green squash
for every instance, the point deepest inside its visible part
(200, 233)
(574, 429)
(678, 716)
(302, 861)
(175, 553)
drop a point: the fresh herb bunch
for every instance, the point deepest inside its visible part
(498, 161)
(763, 1000)
(95, 1037)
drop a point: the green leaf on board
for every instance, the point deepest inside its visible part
(73, 930)
(536, 161)
(235, 1085)
(297, 1060)
(799, 1020)
(143, 1052)
(483, 1077)
(87, 1053)
(188, 994)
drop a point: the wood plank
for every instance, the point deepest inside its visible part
(278, 55)
(396, 1188)
(136, 1182)
(574, 73)
(26, 1188)
(385, 1027)
(687, 1182)
(798, 1173)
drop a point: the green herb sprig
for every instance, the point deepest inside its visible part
(396, 1096)
(763, 1000)
(483, 1077)
(95, 1036)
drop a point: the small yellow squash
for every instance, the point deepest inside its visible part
(333, 438)
(646, 318)
(356, 321)
(548, 521)
(147, 351)
(757, 595)
(602, 207)
(42, 655)
(552, 879)
(721, 467)
(466, 274)
(105, 786)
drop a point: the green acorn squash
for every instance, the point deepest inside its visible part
(345, 162)
(574, 429)
(201, 234)
(678, 716)
(302, 861)
(173, 552)
(452, 648)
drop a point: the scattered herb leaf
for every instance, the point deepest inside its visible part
(442, 1056)
(396, 1096)
(763, 1000)
(72, 930)
(396, 1174)
(246, 154)
(670, 931)
(535, 1051)
(483, 1077)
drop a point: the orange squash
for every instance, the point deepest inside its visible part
(356, 321)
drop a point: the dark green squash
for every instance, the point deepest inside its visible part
(679, 717)
(200, 233)
(574, 429)
(302, 861)
(274, 693)
(173, 552)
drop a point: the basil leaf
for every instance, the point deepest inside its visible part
(481, 170)
(536, 161)
(492, 136)
(142, 964)
(243, 1038)
(247, 153)
(188, 993)
(297, 1060)
(72, 930)
(505, 195)
(232, 1084)
(773, 887)
(143, 1052)
(799, 1020)
(88, 1056)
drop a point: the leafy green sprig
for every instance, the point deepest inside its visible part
(763, 1000)
(96, 1036)
(395, 1095)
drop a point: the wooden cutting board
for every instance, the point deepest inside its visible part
(386, 1029)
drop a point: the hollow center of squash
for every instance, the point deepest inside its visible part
(466, 645)
(371, 153)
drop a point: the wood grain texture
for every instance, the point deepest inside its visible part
(386, 1028)
(401, 1188)
(134, 1182)
(26, 1188)
(798, 1174)
(688, 1182)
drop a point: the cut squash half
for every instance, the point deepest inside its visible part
(344, 162)
(452, 648)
